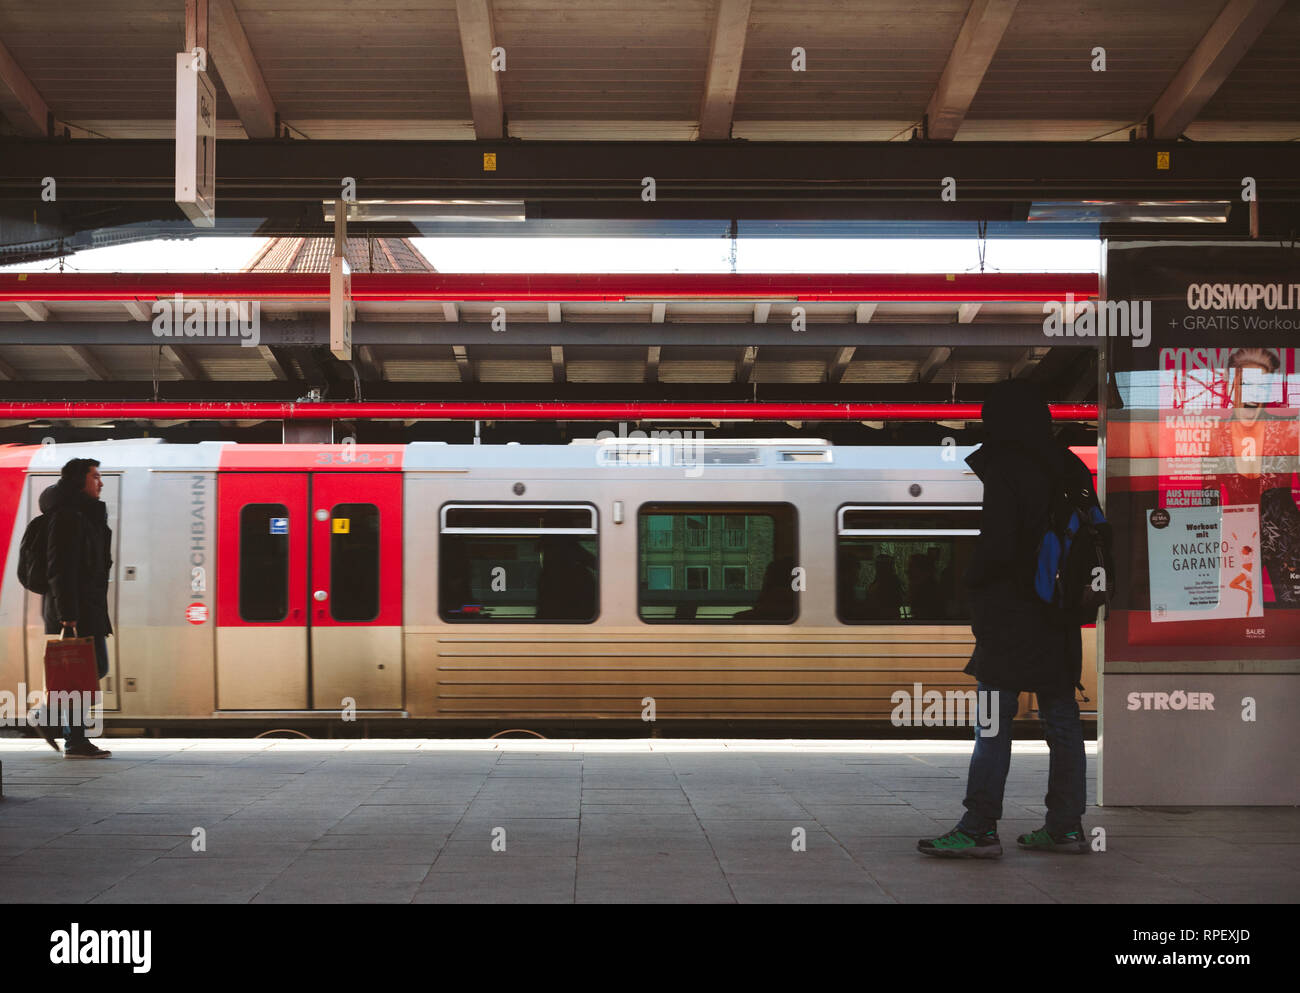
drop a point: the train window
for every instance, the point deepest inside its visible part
(518, 563)
(354, 562)
(716, 563)
(901, 564)
(263, 562)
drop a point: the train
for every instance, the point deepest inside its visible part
(609, 582)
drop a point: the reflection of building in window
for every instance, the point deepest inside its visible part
(659, 577)
(708, 564)
(660, 531)
(697, 532)
(735, 531)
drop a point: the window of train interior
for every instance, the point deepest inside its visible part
(518, 563)
(354, 562)
(263, 562)
(717, 563)
(903, 564)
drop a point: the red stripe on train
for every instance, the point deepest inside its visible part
(312, 458)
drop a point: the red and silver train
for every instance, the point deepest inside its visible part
(769, 581)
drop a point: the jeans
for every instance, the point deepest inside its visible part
(76, 734)
(991, 760)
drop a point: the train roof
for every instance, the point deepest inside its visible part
(793, 454)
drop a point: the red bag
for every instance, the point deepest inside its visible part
(70, 666)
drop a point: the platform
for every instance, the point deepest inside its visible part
(288, 821)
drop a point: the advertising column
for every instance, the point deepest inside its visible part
(1201, 678)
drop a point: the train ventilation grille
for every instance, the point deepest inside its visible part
(681, 453)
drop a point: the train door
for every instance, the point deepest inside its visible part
(309, 591)
(356, 590)
(262, 659)
(111, 494)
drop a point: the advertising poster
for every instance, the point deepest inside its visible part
(1203, 455)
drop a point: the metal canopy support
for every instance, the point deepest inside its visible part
(726, 53)
(933, 363)
(745, 368)
(839, 365)
(88, 361)
(1027, 361)
(477, 43)
(462, 361)
(277, 361)
(240, 73)
(1237, 27)
(652, 363)
(183, 362)
(981, 34)
(27, 112)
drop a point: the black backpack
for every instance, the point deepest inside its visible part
(1076, 572)
(32, 556)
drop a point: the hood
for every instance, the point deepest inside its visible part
(59, 496)
(1014, 411)
(1016, 417)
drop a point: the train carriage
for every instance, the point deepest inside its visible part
(774, 582)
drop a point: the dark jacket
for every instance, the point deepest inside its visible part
(1021, 643)
(79, 558)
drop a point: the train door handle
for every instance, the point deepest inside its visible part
(320, 596)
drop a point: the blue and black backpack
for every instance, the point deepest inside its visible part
(1075, 572)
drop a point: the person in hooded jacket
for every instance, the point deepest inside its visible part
(79, 554)
(1022, 644)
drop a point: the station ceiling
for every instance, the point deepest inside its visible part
(792, 111)
(674, 70)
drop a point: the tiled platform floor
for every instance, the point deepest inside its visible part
(586, 821)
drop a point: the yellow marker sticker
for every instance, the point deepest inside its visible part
(489, 161)
(1162, 160)
(341, 525)
(952, 278)
(22, 277)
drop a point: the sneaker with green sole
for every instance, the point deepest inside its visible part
(1071, 842)
(957, 844)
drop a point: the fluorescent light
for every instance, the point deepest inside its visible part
(429, 210)
(1138, 211)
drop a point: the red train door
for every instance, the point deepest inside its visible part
(309, 612)
(262, 661)
(356, 590)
